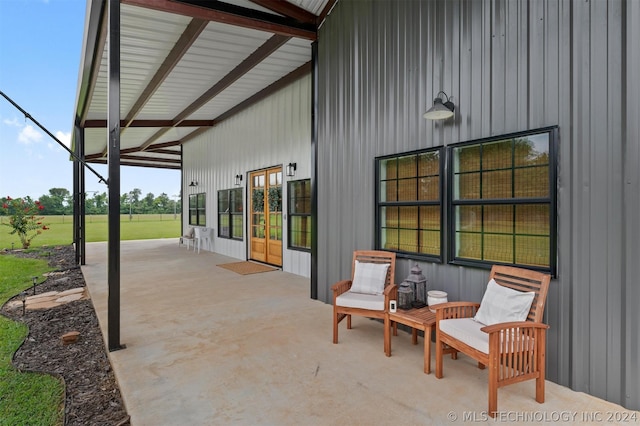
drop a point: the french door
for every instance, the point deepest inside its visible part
(266, 216)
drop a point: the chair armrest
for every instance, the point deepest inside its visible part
(495, 328)
(341, 287)
(455, 310)
(391, 292)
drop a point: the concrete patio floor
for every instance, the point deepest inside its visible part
(206, 346)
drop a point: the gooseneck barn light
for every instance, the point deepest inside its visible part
(440, 110)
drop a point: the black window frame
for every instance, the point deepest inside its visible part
(198, 209)
(550, 200)
(418, 203)
(233, 199)
(292, 212)
(448, 204)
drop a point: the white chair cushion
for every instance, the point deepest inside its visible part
(369, 278)
(502, 304)
(468, 331)
(351, 299)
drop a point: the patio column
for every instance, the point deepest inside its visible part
(113, 152)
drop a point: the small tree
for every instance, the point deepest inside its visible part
(24, 219)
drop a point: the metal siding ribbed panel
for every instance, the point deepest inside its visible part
(631, 237)
(510, 66)
(276, 131)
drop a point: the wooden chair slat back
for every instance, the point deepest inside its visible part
(521, 279)
(376, 256)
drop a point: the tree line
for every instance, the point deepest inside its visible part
(59, 201)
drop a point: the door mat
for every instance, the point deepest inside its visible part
(246, 268)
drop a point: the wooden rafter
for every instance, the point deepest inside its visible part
(288, 9)
(232, 15)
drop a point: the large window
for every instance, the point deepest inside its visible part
(503, 200)
(299, 207)
(500, 208)
(230, 214)
(198, 209)
(409, 204)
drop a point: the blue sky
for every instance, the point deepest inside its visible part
(40, 49)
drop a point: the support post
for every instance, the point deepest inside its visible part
(76, 200)
(83, 198)
(113, 152)
(314, 170)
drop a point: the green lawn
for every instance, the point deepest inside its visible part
(139, 227)
(25, 398)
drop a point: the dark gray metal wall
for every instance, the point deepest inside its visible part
(510, 65)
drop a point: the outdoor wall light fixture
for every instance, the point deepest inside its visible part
(440, 110)
(291, 169)
(238, 179)
(193, 183)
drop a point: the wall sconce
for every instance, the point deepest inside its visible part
(193, 183)
(238, 180)
(291, 169)
(440, 110)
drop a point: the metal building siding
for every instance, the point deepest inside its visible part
(510, 66)
(272, 133)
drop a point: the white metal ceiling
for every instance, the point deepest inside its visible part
(148, 36)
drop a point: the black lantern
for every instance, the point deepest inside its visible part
(419, 284)
(405, 296)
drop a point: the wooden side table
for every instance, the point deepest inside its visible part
(418, 319)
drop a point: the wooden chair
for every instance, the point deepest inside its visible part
(513, 351)
(347, 302)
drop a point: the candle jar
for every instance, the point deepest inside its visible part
(435, 296)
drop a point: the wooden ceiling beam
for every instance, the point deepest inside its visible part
(288, 9)
(241, 69)
(231, 14)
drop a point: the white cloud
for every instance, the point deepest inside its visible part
(29, 135)
(12, 122)
(63, 137)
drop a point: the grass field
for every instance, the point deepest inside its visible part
(138, 227)
(25, 398)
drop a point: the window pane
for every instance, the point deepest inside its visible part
(223, 201)
(407, 167)
(533, 219)
(532, 251)
(389, 217)
(407, 190)
(429, 188)
(389, 239)
(408, 217)
(408, 240)
(497, 155)
(466, 159)
(430, 217)
(466, 186)
(429, 164)
(469, 218)
(389, 169)
(193, 201)
(498, 219)
(224, 229)
(237, 226)
(301, 234)
(496, 184)
(532, 150)
(430, 242)
(532, 182)
(389, 191)
(498, 248)
(469, 245)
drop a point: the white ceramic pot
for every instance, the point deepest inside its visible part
(435, 296)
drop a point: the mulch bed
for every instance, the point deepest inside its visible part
(92, 393)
